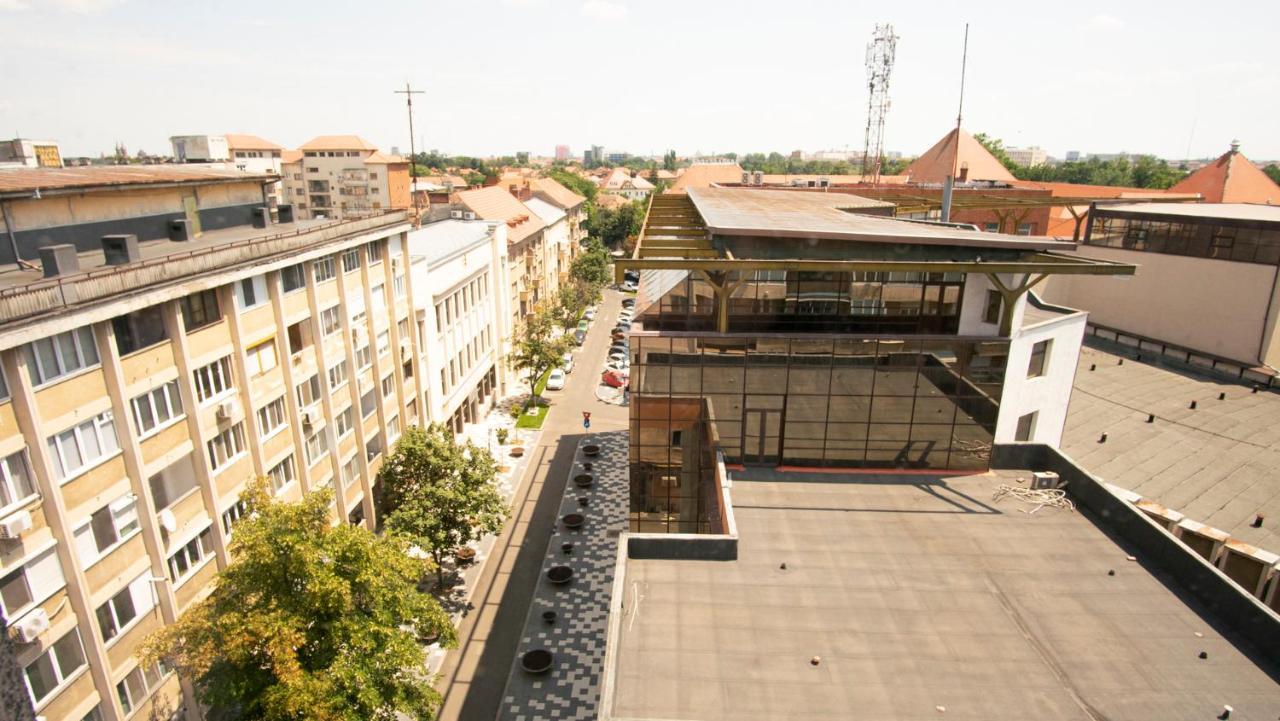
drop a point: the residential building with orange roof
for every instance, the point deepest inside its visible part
(346, 176)
(1232, 178)
(526, 249)
(574, 206)
(959, 155)
(241, 151)
(704, 175)
(627, 183)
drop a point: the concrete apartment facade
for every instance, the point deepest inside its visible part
(344, 176)
(241, 151)
(145, 382)
(28, 153)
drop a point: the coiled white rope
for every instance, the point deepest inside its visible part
(1039, 497)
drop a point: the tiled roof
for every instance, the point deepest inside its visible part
(241, 141)
(556, 193)
(495, 203)
(1231, 179)
(291, 156)
(771, 179)
(940, 161)
(337, 142)
(704, 175)
(29, 180)
(383, 159)
(549, 213)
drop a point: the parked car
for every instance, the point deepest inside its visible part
(579, 337)
(583, 325)
(619, 334)
(555, 381)
(630, 287)
(566, 362)
(589, 314)
(618, 355)
(615, 379)
(622, 327)
(620, 364)
(628, 302)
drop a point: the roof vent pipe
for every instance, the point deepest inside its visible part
(59, 260)
(120, 249)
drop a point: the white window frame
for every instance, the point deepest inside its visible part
(344, 422)
(318, 270)
(273, 417)
(194, 562)
(337, 375)
(82, 346)
(9, 484)
(283, 474)
(256, 358)
(41, 594)
(258, 284)
(382, 342)
(232, 515)
(172, 400)
(317, 446)
(138, 589)
(65, 677)
(106, 450)
(125, 524)
(230, 439)
(330, 320)
(130, 704)
(352, 464)
(351, 260)
(219, 379)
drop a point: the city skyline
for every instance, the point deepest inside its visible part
(1104, 80)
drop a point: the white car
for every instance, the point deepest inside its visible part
(590, 314)
(555, 381)
(566, 362)
(630, 287)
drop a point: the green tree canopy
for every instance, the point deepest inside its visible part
(310, 622)
(538, 349)
(592, 266)
(571, 300)
(1140, 171)
(1273, 172)
(440, 494)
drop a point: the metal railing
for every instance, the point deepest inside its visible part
(42, 296)
(1145, 348)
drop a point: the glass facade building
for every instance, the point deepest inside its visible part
(1244, 241)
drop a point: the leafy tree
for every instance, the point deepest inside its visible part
(995, 146)
(310, 622)
(576, 183)
(592, 267)
(613, 227)
(1273, 172)
(538, 349)
(440, 495)
(1141, 171)
(669, 161)
(571, 300)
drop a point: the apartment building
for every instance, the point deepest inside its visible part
(574, 206)
(345, 176)
(790, 330)
(526, 247)
(626, 183)
(234, 150)
(146, 378)
(28, 153)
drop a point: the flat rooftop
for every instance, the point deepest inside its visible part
(1218, 211)
(923, 598)
(1218, 464)
(441, 240)
(790, 214)
(26, 182)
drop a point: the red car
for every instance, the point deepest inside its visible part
(616, 379)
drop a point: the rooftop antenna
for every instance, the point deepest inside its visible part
(949, 186)
(880, 52)
(408, 93)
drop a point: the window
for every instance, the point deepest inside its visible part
(232, 516)
(299, 336)
(330, 321)
(317, 446)
(337, 375)
(132, 602)
(95, 714)
(1026, 228)
(141, 682)
(252, 292)
(368, 404)
(190, 557)
(373, 448)
(107, 527)
(375, 251)
(4, 386)
(213, 380)
(373, 176)
(30, 583)
(157, 408)
(444, 381)
(83, 445)
(351, 260)
(383, 341)
(139, 329)
(397, 285)
(271, 418)
(378, 294)
(393, 428)
(1026, 427)
(388, 386)
(200, 309)
(226, 446)
(364, 358)
(325, 269)
(261, 358)
(350, 470)
(292, 278)
(1039, 358)
(991, 314)
(439, 317)
(283, 473)
(173, 483)
(15, 479)
(344, 422)
(61, 354)
(55, 666)
(309, 392)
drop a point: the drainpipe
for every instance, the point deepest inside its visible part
(946, 199)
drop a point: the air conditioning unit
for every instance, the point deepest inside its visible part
(14, 526)
(167, 520)
(468, 215)
(358, 335)
(455, 214)
(227, 410)
(746, 177)
(404, 349)
(31, 626)
(308, 418)
(1044, 479)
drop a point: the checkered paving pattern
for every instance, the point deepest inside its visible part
(571, 689)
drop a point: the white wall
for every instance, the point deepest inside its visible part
(1049, 394)
(974, 303)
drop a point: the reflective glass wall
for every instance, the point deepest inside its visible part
(1201, 238)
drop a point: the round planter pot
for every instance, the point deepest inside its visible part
(591, 451)
(567, 548)
(517, 451)
(559, 574)
(583, 480)
(466, 554)
(537, 661)
(549, 616)
(573, 520)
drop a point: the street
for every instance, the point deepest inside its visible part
(474, 675)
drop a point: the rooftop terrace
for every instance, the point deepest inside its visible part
(921, 598)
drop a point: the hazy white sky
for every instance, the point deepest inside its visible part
(641, 76)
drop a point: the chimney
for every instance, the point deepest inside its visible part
(1235, 146)
(120, 249)
(179, 230)
(59, 260)
(284, 213)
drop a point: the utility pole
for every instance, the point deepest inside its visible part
(408, 93)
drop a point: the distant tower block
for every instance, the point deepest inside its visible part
(880, 52)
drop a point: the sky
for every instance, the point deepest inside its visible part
(1172, 78)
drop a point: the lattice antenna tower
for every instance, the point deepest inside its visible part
(880, 52)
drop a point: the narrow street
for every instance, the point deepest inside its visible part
(473, 676)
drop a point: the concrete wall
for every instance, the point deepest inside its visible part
(1230, 604)
(1215, 306)
(1047, 395)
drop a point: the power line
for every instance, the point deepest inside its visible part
(408, 93)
